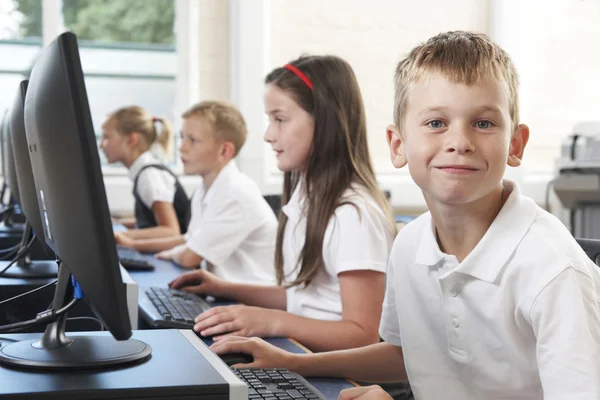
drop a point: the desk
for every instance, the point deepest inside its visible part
(202, 376)
(166, 271)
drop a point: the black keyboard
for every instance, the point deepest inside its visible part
(276, 384)
(133, 260)
(163, 307)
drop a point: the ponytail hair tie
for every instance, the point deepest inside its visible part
(299, 74)
(154, 119)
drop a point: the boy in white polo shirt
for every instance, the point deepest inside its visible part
(232, 227)
(488, 296)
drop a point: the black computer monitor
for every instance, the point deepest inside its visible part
(8, 161)
(3, 125)
(25, 186)
(74, 213)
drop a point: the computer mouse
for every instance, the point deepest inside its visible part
(236, 358)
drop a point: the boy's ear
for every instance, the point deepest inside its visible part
(517, 145)
(396, 144)
(228, 150)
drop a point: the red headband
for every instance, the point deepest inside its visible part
(299, 74)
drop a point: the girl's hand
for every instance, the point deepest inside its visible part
(237, 320)
(123, 240)
(201, 282)
(364, 393)
(265, 355)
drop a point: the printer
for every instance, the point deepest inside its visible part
(577, 181)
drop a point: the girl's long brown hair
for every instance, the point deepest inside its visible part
(339, 156)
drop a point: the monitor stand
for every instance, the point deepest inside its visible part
(57, 351)
(25, 268)
(28, 269)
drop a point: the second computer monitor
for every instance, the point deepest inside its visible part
(9, 161)
(28, 194)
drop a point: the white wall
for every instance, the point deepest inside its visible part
(372, 36)
(553, 43)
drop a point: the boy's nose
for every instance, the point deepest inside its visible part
(459, 140)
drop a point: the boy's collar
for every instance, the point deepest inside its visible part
(228, 169)
(488, 258)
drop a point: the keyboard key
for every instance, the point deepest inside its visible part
(272, 384)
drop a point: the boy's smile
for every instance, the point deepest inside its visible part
(457, 139)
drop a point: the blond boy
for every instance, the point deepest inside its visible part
(232, 227)
(488, 296)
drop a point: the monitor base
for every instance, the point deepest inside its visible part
(35, 269)
(84, 352)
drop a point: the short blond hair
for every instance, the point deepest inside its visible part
(463, 57)
(228, 123)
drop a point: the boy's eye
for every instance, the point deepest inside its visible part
(484, 124)
(435, 124)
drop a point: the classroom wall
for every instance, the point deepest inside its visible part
(372, 36)
(551, 41)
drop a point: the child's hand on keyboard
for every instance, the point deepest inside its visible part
(265, 354)
(122, 239)
(200, 282)
(373, 392)
(238, 320)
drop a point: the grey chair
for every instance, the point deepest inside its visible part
(591, 248)
(274, 201)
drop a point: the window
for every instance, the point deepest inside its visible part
(20, 42)
(559, 77)
(127, 47)
(128, 54)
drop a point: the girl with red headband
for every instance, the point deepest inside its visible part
(335, 229)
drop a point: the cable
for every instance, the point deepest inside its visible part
(20, 254)
(12, 248)
(102, 328)
(27, 293)
(46, 316)
(11, 254)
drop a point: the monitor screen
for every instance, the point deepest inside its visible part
(3, 125)
(28, 198)
(20, 151)
(8, 161)
(74, 213)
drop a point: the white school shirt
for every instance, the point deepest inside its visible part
(351, 242)
(153, 184)
(518, 318)
(233, 228)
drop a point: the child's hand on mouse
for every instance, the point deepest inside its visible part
(265, 355)
(201, 282)
(373, 392)
(238, 320)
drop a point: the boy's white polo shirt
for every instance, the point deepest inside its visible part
(352, 242)
(233, 228)
(519, 318)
